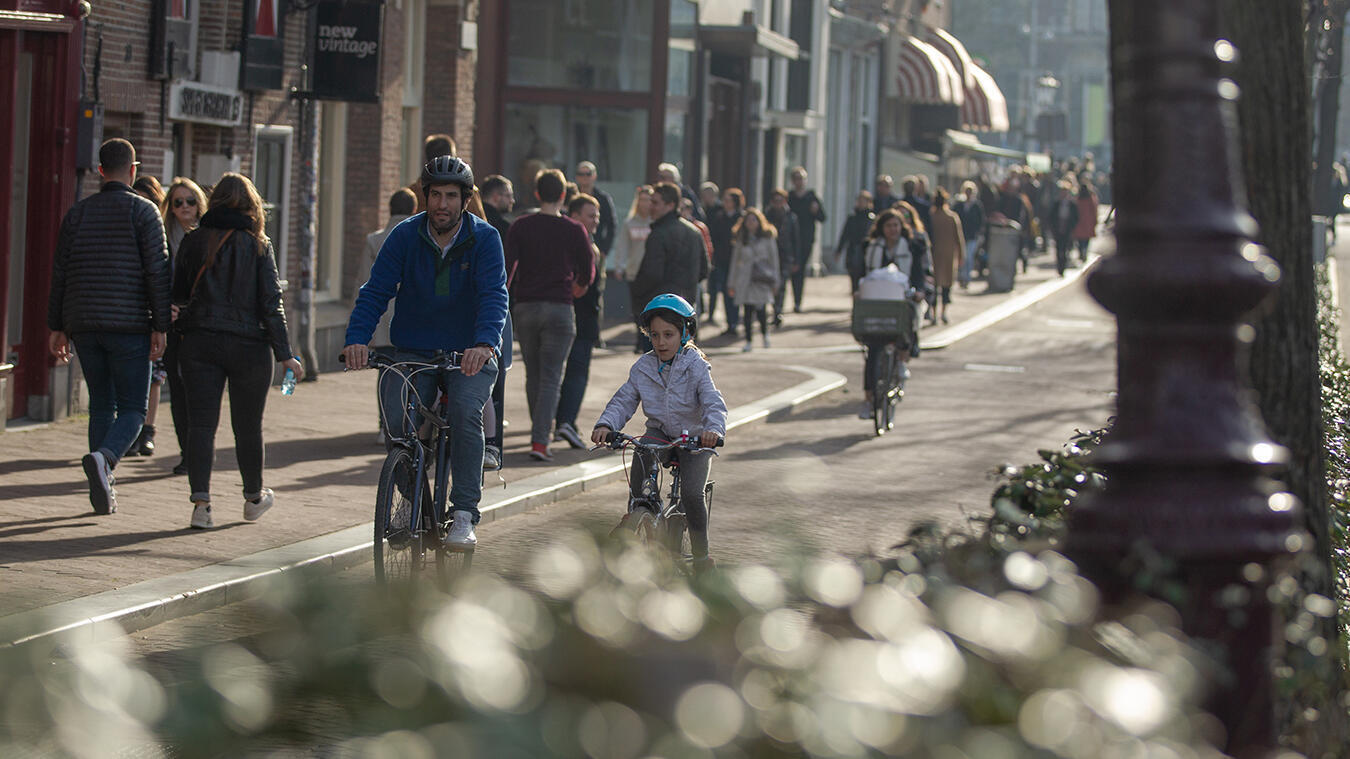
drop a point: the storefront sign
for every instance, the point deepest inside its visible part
(346, 64)
(205, 104)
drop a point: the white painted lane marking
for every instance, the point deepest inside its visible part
(996, 368)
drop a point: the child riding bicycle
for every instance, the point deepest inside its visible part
(673, 383)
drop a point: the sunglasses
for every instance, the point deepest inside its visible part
(180, 202)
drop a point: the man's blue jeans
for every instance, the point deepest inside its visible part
(467, 396)
(116, 368)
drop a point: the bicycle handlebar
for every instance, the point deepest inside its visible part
(619, 440)
(439, 360)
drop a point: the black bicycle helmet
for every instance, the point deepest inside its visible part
(447, 169)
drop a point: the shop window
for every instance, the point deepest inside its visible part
(332, 186)
(580, 44)
(614, 139)
(272, 177)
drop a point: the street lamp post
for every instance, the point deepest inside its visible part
(1188, 461)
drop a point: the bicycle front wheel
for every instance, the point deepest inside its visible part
(640, 525)
(398, 546)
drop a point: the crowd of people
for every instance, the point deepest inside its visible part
(150, 287)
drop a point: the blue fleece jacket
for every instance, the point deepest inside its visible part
(441, 305)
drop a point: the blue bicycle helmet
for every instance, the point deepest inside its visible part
(674, 309)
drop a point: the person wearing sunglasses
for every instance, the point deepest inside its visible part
(182, 210)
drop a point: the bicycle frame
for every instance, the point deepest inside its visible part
(412, 441)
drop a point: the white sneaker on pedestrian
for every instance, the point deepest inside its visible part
(255, 509)
(492, 458)
(568, 432)
(461, 535)
(101, 494)
(766, 341)
(201, 516)
(747, 347)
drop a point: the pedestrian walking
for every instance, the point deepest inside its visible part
(687, 213)
(883, 198)
(910, 187)
(228, 296)
(1063, 222)
(755, 272)
(498, 198)
(949, 250)
(675, 261)
(669, 172)
(733, 201)
(402, 205)
(110, 299)
(607, 227)
(1086, 229)
(585, 210)
(182, 210)
(710, 198)
(810, 212)
(629, 245)
(780, 215)
(549, 264)
(971, 212)
(848, 251)
(149, 188)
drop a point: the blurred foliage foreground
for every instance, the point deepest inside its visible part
(980, 644)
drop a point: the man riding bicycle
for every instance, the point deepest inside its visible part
(446, 272)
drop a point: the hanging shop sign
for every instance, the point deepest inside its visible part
(346, 50)
(205, 104)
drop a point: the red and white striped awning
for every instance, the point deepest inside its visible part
(985, 109)
(921, 74)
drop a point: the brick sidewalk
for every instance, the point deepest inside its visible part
(323, 462)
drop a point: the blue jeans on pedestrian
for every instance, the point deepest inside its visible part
(968, 263)
(467, 396)
(717, 285)
(545, 331)
(116, 368)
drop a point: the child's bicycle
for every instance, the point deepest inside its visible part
(409, 518)
(648, 520)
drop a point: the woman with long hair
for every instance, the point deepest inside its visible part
(181, 208)
(949, 250)
(893, 240)
(233, 324)
(755, 272)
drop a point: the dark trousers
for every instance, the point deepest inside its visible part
(575, 378)
(752, 313)
(799, 282)
(207, 361)
(116, 368)
(717, 285)
(495, 435)
(694, 469)
(178, 402)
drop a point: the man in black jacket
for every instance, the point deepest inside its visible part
(806, 205)
(780, 215)
(675, 260)
(110, 297)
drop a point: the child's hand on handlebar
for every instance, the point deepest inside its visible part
(601, 435)
(709, 439)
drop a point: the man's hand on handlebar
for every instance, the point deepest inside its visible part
(356, 357)
(474, 359)
(601, 435)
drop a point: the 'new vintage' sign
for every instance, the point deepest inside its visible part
(346, 64)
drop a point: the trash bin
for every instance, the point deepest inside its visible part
(1004, 241)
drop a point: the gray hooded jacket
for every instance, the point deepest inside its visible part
(681, 398)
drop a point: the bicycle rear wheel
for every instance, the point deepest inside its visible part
(881, 392)
(398, 547)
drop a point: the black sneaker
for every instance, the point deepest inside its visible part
(101, 494)
(180, 467)
(568, 432)
(145, 444)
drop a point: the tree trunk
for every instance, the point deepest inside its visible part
(1274, 117)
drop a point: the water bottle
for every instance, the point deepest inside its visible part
(288, 382)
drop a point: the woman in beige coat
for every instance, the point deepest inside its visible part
(949, 249)
(755, 275)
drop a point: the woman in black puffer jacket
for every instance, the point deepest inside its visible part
(227, 297)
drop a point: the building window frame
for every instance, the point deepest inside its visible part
(332, 196)
(279, 208)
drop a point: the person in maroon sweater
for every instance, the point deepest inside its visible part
(548, 263)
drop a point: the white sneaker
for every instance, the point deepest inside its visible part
(766, 341)
(492, 458)
(461, 535)
(747, 347)
(201, 516)
(255, 509)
